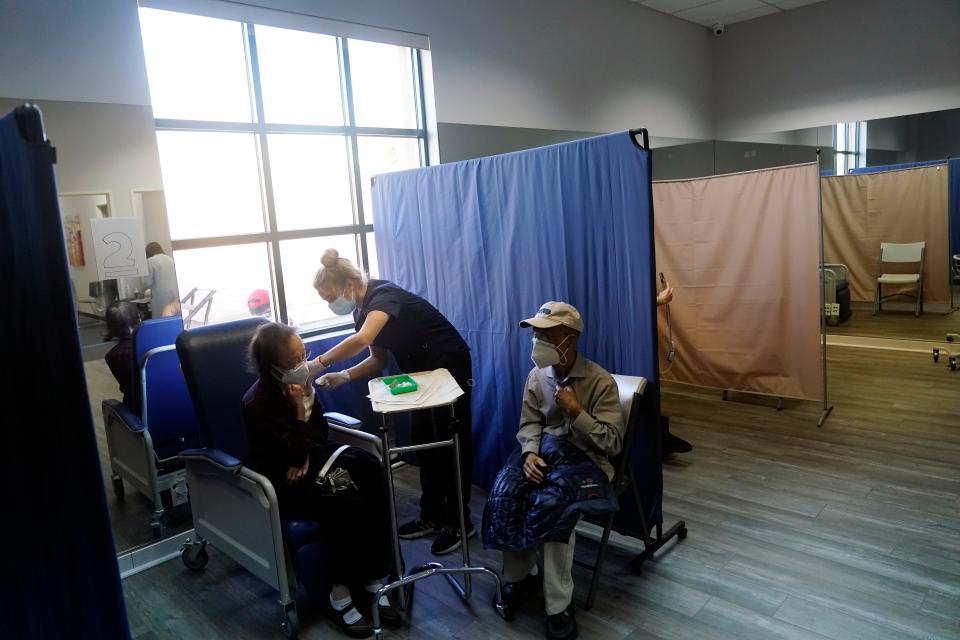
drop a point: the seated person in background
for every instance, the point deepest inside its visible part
(570, 423)
(122, 319)
(288, 440)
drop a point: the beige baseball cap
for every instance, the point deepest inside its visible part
(552, 314)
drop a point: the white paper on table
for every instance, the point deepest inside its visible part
(439, 388)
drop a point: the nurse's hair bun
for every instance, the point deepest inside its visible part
(336, 271)
(330, 258)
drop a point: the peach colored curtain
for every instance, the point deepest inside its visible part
(909, 205)
(742, 252)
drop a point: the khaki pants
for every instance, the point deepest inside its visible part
(557, 571)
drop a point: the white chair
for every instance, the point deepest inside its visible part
(891, 253)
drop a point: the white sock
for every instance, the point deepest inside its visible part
(535, 570)
(343, 604)
(373, 587)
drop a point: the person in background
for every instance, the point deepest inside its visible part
(161, 279)
(288, 437)
(258, 303)
(669, 443)
(389, 319)
(122, 319)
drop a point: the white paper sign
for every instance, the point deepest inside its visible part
(118, 246)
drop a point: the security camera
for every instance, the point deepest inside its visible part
(718, 29)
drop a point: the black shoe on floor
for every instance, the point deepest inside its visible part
(516, 593)
(562, 626)
(417, 528)
(389, 614)
(359, 628)
(449, 539)
(673, 444)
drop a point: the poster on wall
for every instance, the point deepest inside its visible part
(118, 247)
(74, 241)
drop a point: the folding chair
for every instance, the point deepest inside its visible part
(631, 390)
(900, 254)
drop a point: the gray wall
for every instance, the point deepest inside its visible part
(573, 65)
(836, 61)
(465, 142)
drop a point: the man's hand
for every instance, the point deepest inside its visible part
(533, 468)
(567, 400)
(295, 474)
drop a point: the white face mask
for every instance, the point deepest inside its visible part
(299, 375)
(546, 354)
(341, 306)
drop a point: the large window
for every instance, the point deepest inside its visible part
(849, 146)
(268, 139)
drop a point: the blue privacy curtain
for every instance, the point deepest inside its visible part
(487, 241)
(59, 566)
(954, 180)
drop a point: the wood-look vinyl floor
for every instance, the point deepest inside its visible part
(130, 517)
(849, 531)
(903, 325)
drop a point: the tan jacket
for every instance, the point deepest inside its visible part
(598, 430)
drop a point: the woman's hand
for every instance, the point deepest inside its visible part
(330, 381)
(295, 394)
(295, 474)
(316, 367)
(533, 468)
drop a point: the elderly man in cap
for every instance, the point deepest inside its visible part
(571, 423)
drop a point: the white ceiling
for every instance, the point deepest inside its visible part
(711, 12)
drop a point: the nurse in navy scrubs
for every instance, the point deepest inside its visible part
(390, 319)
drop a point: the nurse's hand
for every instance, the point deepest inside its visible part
(316, 367)
(331, 381)
(665, 296)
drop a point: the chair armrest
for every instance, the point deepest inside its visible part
(123, 413)
(342, 420)
(215, 457)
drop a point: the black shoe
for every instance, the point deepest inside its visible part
(417, 529)
(361, 628)
(516, 593)
(562, 626)
(673, 444)
(389, 614)
(449, 539)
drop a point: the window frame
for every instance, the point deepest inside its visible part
(272, 236)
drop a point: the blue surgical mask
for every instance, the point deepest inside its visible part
(341, 306)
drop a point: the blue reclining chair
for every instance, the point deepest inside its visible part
(143, 440)
(234, 507)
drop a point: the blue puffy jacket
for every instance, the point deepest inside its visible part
(520, 514)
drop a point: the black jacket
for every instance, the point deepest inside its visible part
(277, 439)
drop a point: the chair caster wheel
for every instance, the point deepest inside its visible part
(953, 364)
(290, 625)
(936, 355)
(195, 561)
(118, 489)
(682, 534)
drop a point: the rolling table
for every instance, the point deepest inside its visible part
(436, 389)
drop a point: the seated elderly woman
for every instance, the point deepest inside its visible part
(344, 493)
